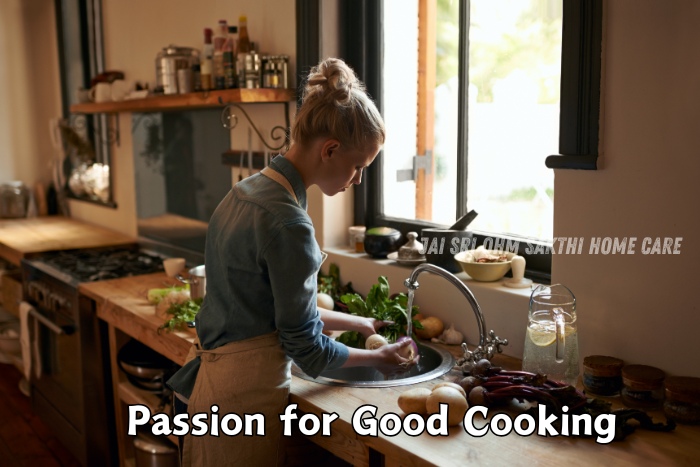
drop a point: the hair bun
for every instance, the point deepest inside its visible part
(333, 80)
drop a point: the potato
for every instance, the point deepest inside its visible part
(432, 327)
(456, 386)
(413, 400)
(456, 404)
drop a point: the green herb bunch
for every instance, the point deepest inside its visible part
(330, 283)
(382, 306)
(181, 315)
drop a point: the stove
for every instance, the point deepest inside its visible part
(95, 264)
(71, 380)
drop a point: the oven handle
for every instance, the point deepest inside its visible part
(68, 330)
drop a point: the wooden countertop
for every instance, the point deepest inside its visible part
(123, 303)
(23, 237)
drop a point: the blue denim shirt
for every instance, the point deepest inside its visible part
(262, 261)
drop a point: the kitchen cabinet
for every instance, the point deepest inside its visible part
(140, 323)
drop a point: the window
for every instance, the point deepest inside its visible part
(475, 89)
(79, 29)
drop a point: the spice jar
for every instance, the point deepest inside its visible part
(356, 238)
(643, 386)
(683, 399)
(602, 375)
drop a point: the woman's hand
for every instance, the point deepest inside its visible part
(391, 360)
(369, 326)
(387, 359)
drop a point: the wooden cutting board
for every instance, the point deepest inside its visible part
(23, 237)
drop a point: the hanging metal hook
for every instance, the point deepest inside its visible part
(229, 120)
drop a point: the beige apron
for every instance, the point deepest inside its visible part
(243, 377)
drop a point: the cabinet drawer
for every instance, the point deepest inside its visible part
(11, 291)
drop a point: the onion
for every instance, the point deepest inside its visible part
(375, 341)
(410, 352)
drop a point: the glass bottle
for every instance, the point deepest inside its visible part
(243, 48)
(229, 60)
(207, 57)
(219, 43)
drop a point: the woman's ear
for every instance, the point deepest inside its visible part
(329, 148)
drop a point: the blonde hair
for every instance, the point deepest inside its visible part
(336, 105)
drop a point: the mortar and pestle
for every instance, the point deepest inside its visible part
(442, 244)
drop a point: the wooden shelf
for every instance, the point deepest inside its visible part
(195, 100)
(131, 395)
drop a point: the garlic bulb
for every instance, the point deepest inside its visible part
(450, 336)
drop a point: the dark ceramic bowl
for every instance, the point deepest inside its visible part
(380, 241)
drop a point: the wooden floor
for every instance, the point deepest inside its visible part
(24, 439)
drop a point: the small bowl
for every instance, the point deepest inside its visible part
(173, 266)
(380, 241)
(483, 272)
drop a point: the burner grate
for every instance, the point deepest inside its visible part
(101, 264)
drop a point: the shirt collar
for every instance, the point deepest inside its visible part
(286, 168)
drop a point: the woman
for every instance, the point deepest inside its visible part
(262, 262)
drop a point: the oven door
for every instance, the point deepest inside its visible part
(56, 375)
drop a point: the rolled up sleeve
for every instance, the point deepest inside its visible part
(293, 260)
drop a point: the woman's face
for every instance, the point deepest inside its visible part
(343, 168)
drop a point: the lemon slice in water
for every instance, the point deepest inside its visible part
(541, 338)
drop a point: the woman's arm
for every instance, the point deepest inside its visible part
(386, 359)
(337, 321)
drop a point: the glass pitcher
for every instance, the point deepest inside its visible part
(551, 343)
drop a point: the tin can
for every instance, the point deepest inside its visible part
(168, 61)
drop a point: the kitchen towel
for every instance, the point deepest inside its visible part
(27, 343)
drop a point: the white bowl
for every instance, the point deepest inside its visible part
(483, 272)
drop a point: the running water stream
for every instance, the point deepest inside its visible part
(409, 312)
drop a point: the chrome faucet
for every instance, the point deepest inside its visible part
(488, 345)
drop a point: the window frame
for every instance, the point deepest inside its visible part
(361, 46)
(87, 26)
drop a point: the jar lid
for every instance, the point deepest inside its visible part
(683, 389)
(383, 232)
(642, 377)
(602, 365)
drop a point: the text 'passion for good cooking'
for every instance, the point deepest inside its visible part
(366, 423)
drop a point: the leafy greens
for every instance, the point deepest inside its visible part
(382, 306)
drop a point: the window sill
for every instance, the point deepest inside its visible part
(505, 309)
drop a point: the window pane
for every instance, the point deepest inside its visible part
(514, 74)
(399, 104)
(513, 122)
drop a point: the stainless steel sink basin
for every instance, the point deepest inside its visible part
(434, 362)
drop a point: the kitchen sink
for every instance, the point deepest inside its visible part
(434, 362)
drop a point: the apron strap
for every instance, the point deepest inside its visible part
(271, 173)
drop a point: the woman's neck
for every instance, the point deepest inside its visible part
(302, 159)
